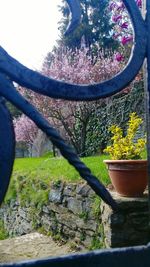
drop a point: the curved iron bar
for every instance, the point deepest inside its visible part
(76, 15)
(15, 98)
(7, 148)
(44, 85)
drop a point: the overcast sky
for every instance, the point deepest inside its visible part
(28, 29)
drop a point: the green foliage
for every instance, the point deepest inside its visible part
(96, 207)
(84, 216)
(98, 239)
(115, 110)
(34, 213)
(43, 231)
(95, 26)
(82, 236)
(57, 237)
(31, 178)
(57, 183)
(128, 146)
(3, 232)
(13, 110)
(48, 155)
(73, 246)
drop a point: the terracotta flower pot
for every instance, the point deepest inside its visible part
(129, 177)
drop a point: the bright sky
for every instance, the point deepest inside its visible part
(28, 29)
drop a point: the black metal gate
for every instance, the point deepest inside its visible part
(12, 71)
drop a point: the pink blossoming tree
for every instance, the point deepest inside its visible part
(72, 118)
(25, 131)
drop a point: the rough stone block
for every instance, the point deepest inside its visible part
(75, 205)
(45, 209)
(117, 219)
(89, 225)
(129, 226)
(56, 193)
(69, 190)
(83, 190)
(68, 219)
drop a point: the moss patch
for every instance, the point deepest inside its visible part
(3, 232)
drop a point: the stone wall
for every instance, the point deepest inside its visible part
(72, 215)
(68, 216)
(130, 225)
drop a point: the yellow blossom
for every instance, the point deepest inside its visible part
(126, 147)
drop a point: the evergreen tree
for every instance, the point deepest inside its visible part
(95, 28)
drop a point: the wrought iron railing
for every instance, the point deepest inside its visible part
(12, 71)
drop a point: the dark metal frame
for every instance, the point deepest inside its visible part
(11, 70)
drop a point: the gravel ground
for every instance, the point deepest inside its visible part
(30, 246)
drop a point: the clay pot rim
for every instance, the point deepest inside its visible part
(129, 161)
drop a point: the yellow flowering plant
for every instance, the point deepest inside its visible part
(126, 147)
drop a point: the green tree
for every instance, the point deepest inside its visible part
(115, 110)
(95, 28)
(13, 110)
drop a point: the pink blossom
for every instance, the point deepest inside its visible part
(112, 6)
(139, 3)
(25, 130)
(76, 67)
(126, 39)
(116, 18)
(120, 17)
(124, 25)
(119, 57)
(116, 35)
(121, 6)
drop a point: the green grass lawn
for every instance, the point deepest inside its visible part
(31, 177)
(58, 168)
